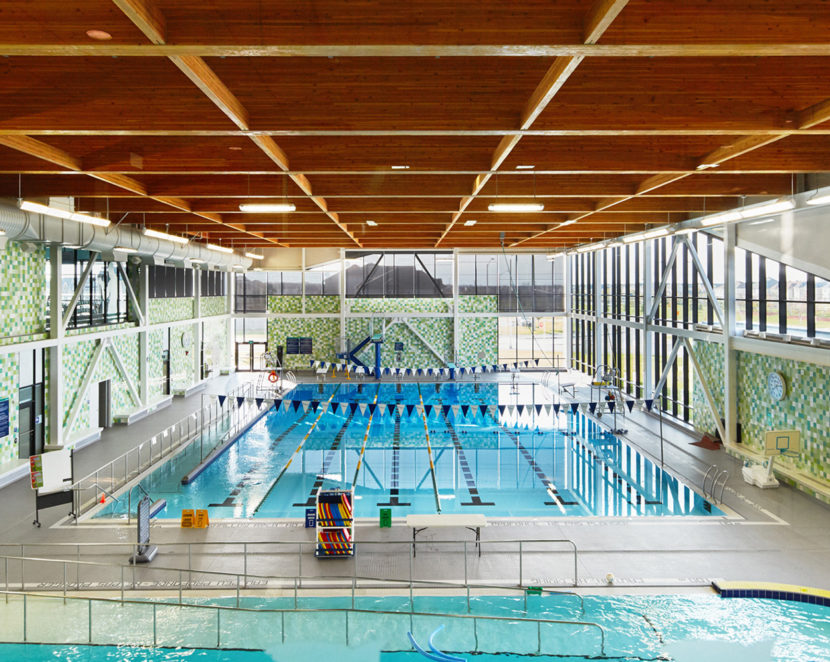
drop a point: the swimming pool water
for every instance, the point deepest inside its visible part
(693, 628)
(535, 464)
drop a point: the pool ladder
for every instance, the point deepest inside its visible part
(717, 476)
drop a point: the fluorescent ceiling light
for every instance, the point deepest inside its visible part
(125, 249)
(718, 219)
(54, 212)
(653, 234)
(156, 234)
(820, 200)
(266, 207)
(569, 222)
(516, 206)
(254, 256)
(525, 167)
(686, 231)
(763, 221)
(706, 166)
(773, 207)
(589, 247)
(218, 249)
(470, 223)
(2, 233)
(197, 260)
(372, 224)
(400, 167)
(631, 238)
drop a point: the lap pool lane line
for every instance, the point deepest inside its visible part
(549, 485)
(230, 501)
(472, 488)
(323, 410)
(394, 482)
(429, 453)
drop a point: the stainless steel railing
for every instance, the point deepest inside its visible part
(242, 557)
(84, 631)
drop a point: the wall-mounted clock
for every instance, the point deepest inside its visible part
(187, 338)
(776, 386)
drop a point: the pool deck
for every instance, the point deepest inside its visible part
(780, 535)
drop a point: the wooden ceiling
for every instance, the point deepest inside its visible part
(192, 108)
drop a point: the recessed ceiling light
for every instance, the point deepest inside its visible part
(98, 35)
(371, 223)
(470, 223)
(400, 167)
(266, 207)
(525, 167)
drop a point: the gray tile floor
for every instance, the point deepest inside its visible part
(777, 535)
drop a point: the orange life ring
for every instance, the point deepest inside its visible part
(272, 377)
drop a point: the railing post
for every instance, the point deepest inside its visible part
(237, 591)
(520, 563)
(295, 592)
(6, 575)
(122, 585)
(24, 617)
(347, 628)
(411, 600)
(180, 586)
(218, 628)
(300, 561)
(89, 618)
(538, 637)
(465, 563)
(154, 624)
(245, 563)
(576, 570)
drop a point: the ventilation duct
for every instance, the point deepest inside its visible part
(24, 226)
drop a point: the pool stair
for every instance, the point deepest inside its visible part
(771, 591)
(436, 655)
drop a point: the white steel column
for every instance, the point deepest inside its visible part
(730, 362)
(143, 341)
(56, 333)
(343, 294)
(302, 280)
(196, 346)
(566, 289)
(599, 310)
(455, 301)
(648, 337)
(230, 332)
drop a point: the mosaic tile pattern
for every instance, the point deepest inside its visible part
(804, 408)
(710, 357)
(155, 371)
(23, 290)
(400, 305)
(210, 306)
(170, 310)
(216, 344)
(182, 370)
(488, 303)
(9, 389)
(285, 304)
(97, 329)
(324, 331)
(322, 304)
(76, 359)
(479, 340)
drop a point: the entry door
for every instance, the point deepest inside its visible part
(249, 356)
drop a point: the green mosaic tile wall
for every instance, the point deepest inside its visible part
(285, 304)
(170, 310)
(182, 371)
(323, 331)
(9, 390)
(710, 357)
(804, 408)
(22, 290)
(437, 331)
(210, 306)
(155, 373)
(479, 341)
(76, 359)
(98, 329)
(291, 304)
(216, 344)
(399, 305)
(488, 303)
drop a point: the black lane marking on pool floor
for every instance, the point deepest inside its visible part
(246, 478)
(618, 479)
(330, 453)
(475, 499)
(547, 482)
(394, 481)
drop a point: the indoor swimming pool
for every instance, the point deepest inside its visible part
(686, 628)
(498, 449)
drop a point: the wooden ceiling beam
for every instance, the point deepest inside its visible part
(598, 21)
(204, 78)
(41, 150)
(146, 17)
(683, 50)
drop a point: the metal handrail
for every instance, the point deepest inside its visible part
(300, 546)
(712, 468)
(725, 475)
(219, 609)
(242, 580)
(125, 469)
